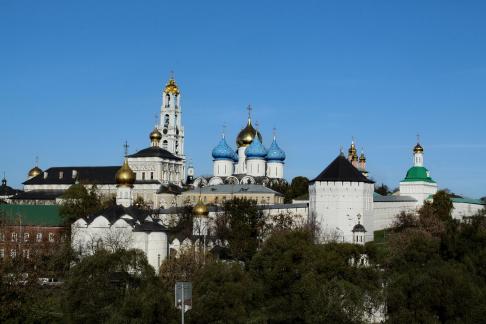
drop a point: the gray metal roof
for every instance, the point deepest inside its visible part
(236, 189)
(380, 198)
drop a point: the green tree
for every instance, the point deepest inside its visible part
(303, 282)
(117, 287)
(382, 190)
(78, 201)
(223, 293)
(241, 223)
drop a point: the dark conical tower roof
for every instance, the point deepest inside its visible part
(341, 170)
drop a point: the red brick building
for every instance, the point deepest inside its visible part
(29, 230)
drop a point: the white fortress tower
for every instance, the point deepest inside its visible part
(170, 124)
(339, 197)
(418, 183)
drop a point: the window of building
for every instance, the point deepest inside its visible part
(39, 237)
(2, 236)
(14, 237)
(61, 174)
(51, 237)
(143, 175)
(151, 176)
(26, 237)
(2, 253)
(13, 253)
(26, 253)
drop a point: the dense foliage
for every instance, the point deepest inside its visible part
(429, 268)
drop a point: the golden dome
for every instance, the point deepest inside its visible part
(352, 149)
(34, 172)
(418, 148)
(171, 87)
(155, 135)
(362, 157)
(247, 134)
(200, 209)
(125, 176)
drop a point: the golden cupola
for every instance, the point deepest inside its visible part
(34, 172)
(418, 148)
(155, 136)
(200, 209)
(125, 176)
(171, 87)
(362, 157)
(247, 134)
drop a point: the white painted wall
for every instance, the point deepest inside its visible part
(334, 207)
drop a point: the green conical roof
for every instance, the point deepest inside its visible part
(418, 174)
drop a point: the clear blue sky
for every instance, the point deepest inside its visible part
(77, 78)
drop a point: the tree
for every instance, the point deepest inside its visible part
(382, 190)
(241, 224)
(223, 293)
(305, 282)
(115, 287)
(78, 201)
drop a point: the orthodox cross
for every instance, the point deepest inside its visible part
(224, 129)
(126, 148)
(36, 161)
(418, 138)
(249, 111)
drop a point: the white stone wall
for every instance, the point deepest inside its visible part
(385, 213)
(462, 210)
(335, 207)
(420, 190)
(101, 234)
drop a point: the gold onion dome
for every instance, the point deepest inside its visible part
(35, 171)
(418, 148)
(155, 135)
(247, 134)
(125, 176)
(362, 157)
(200, 209)
(352, 149)
(171, 87)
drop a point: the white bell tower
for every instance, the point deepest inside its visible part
(170, 124)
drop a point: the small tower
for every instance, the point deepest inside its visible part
(362, 164)
(255, 158)
(190, 173)
(359, 232)
(418, 154)
(170, 124)
(125, 178)
(275, 160)
(418, 183)
(200, 222)
(155, 137)
(352, 154)
(223, 159)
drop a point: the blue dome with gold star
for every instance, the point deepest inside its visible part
(223, 151)
(275, 153)
(256, 150)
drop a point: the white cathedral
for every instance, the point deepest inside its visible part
(251, 163)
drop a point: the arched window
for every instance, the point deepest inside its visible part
(165, 144)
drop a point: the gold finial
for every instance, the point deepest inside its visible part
(171, 86)
(200, 209)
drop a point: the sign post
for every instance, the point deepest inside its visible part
(183, 297)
